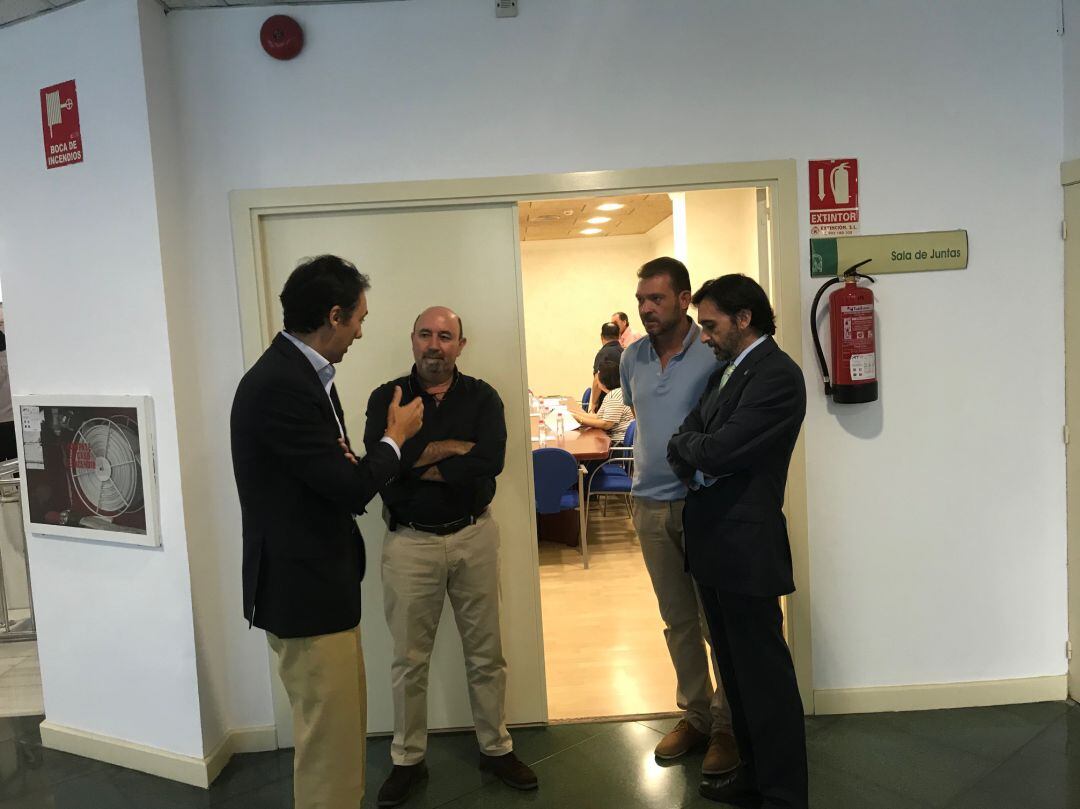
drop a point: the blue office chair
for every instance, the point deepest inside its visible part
(585, 397)
(614, 476)
(559, 482)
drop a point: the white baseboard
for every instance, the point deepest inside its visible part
(944, 695)
(241, 740)
(198, 772)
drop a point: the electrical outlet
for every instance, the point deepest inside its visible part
(506, 8)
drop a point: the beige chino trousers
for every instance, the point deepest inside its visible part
(659, 528)
(418, 571)
(327, 687)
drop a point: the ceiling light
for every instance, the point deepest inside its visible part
(591, 231)
(598, 220)
(610, 206)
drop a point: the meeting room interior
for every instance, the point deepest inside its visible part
(603, 635)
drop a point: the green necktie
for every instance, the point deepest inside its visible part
(727, 374)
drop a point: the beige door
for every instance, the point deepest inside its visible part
(1072, 416)
(466, 258)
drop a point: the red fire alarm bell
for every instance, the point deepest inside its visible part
(281, 36)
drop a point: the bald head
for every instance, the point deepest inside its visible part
(437, 340)
(441, 313)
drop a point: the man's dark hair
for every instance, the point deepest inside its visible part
(609, 374)
(609, 331)
(733, 293)
(674, 269)
(315, 287)
(622, 318)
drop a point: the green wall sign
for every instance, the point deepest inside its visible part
(892, 252)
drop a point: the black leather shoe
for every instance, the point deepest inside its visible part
(395, 789)
(511, 770)
(735, 788)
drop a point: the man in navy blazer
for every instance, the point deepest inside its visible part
(300, 487)
(733, 451)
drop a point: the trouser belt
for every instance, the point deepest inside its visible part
(440, 530)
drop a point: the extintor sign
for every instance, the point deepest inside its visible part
(834, 197)
(60, 125)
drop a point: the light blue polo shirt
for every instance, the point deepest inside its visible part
(661, 400)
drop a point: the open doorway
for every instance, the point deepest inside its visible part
(604, 644)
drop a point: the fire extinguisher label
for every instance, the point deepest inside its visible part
(863, 367)
(857, 342)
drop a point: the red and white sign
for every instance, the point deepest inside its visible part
(60, 125)
(834, 197)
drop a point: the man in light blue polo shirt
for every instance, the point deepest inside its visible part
(662, 379)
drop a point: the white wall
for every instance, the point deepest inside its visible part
(954, 110)
(1071, 65)
(81, 262)
(721, 232)
(571, 287)
(937, 515)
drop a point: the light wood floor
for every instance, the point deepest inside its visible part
(603, 637)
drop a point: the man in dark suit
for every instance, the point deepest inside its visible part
(733, 451)
(299, 487)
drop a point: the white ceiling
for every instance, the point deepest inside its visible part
(14, 11)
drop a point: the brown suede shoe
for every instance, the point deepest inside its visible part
(511, 770)
(683, 738)
(722, 756)
(402, 781)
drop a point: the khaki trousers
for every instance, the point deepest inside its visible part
(324, 678)
(418, 571)
(659, 528)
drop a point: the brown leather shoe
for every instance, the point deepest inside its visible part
(683, 738)
(511, 770)
(400, 784)
(721, 757)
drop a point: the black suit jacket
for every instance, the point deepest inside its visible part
(303, 554)
(743, 434)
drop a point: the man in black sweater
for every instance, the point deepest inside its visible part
(444, 541)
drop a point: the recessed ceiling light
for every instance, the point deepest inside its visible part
(569, 212)
(591, 231)
(610, 206)
(598, 220)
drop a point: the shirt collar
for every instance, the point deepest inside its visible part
(323, 367)
(748, 349)
(692, 334)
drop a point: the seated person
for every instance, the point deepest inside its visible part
(609, 350)
(614, 416)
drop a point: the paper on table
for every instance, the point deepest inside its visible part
(569, 422)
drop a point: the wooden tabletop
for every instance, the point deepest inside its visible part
(585, 443)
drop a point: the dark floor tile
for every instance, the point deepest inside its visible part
(873, 749)
(1045, 712)
(992, 733)
(1062, 735)
(276, 795)
(831, 788)
(535, 744)
(31, 769)
(615, 769)
(662, 724)
(1031, 779)
(81, 792)
(816, 724)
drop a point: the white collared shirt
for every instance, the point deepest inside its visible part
(326, 372)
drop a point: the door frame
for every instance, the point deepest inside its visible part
(248, 209)
(1070, 176)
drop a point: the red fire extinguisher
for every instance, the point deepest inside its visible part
(851, 328)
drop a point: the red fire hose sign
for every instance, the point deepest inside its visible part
(60, 125)
(834, 197)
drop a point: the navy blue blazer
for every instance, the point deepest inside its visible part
(743, 434)
(303, 553)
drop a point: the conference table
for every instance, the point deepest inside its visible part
(585, 443)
